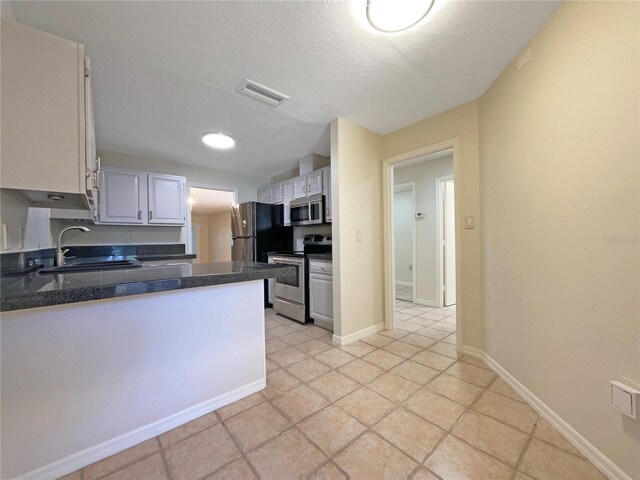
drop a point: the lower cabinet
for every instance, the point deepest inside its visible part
(321, 293)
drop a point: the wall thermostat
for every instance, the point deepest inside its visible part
(419, 214)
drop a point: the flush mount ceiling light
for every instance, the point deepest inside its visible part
(218, 140)
(391, 16)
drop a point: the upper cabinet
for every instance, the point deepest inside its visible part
(275, 193)
(122, 196)
(166, 199)
(139, 198)
(263, 195)
(307, 185)
(326, 182)
(47, 126)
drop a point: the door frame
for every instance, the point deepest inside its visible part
(406, 187)
(440, 236)
(389, 257)
(234, 190)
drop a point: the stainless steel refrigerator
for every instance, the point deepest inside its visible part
(256, 229)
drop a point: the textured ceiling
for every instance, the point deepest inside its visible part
(166, 72)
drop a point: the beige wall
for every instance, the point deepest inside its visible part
(220, 237)
(200, 223)
(560, 162)
(461, 123)
(357, 206)
(424, 176)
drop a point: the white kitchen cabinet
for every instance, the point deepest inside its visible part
(263, 195)
(275, 193)
(46, 118)
(122, 197)
(314, 183)
(300, 187)
(140, 198)
(321, 293)
(326, 183)
(287, 196)
(166, 199)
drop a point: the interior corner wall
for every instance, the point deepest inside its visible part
(462, 123)
(560, 150)
(356, 180)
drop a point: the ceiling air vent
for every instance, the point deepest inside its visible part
(262, 93)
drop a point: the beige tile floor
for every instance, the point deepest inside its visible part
(404, 292)
(396, 405)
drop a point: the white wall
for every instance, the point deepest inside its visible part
(403, 225)
(27, 228)
(357, 205)
(424, 175)
(560, 150)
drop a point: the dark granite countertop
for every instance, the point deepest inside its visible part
(320, 256)
(41, 290)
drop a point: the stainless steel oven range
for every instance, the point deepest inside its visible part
(289, 292)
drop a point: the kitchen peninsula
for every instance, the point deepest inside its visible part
(96, 362)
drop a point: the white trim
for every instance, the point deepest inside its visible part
(93, 454)
(598, 458)
(425, 302)
(406, 284)
(355, 336)
(205, 186)
(439, 189)
(410, 187)
(387, 204)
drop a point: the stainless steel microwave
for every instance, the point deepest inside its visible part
(307, 211)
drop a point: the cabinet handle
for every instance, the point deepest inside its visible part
(96, 179)
(304, 189)
(150, 215)
(139, 214)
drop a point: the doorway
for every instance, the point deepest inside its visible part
(210, 223)
(427, 247)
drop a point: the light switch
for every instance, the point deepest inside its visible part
(359, 236)
(469, 222)
(624, 398)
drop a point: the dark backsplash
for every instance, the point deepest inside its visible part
(16, 263)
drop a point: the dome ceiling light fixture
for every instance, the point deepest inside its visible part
(393, 16)
(218, 140)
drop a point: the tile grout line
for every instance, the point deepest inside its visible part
(164, 458)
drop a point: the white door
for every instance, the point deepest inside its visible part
(166, 199)
(314, 183)
(275, 193)
(326, 184)
(300, 187)
(122, 196)
(403, 218)
(449, 244)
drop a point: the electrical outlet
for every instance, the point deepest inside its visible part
(127, 239)
(359, 236)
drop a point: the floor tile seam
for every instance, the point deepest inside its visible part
(127, 465)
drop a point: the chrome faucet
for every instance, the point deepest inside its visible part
(59, 261)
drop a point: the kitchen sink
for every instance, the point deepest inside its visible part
(91, 266)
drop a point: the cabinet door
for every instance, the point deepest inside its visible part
(90, 156)
(287, 196)
(300, 187)
(122, 196)
(166, 199)
(326, 184)
(314, 183)
(263, 195)
(321, 293)
(275, 193)
(42, 115)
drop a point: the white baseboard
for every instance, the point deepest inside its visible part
(93, 454)
(355, 336)
(406, 284)
(424, 301)
(600, 460)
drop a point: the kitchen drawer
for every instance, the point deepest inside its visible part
(321, 266)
